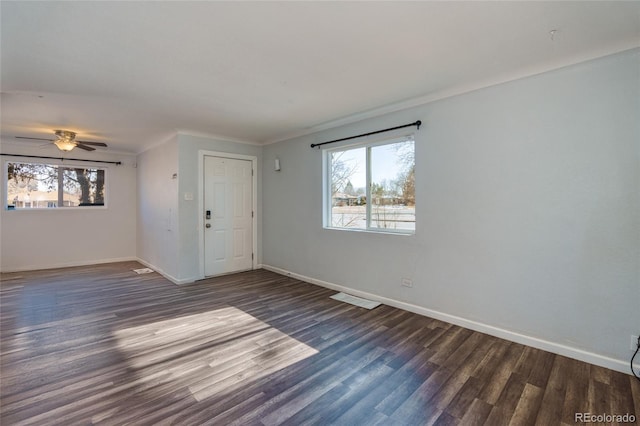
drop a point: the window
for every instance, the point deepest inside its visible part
(42, 186)
(371, 187)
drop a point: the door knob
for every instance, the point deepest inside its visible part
(208, 225)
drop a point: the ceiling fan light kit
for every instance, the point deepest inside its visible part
(66, 140)
(64, 145)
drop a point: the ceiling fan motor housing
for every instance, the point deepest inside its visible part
(66, 134)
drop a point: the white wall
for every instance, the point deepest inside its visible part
(189, 146)
(528, 212)
(157, 231)
(50, 238)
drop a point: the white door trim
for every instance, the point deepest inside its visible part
(254, 202)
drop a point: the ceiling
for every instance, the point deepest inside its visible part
(133, 74)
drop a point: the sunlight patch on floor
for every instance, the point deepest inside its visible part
(209, 352)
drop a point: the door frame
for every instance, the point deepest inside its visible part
(254, 202)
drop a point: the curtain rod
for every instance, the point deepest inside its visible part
(417, 124)
(117, 163)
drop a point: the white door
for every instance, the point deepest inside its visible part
(228, 234)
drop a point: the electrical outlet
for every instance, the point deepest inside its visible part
(634, 343)
(406, 282)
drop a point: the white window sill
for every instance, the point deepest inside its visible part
(372, 231)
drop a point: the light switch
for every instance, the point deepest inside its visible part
(188, 196)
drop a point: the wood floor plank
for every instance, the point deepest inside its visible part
(359, 402)
(505, 406)
(576, 396)
(621, 393)
(477, 413)
(102, 345)
(528, 406)
(601, 403)
(463, 399)
(555, 393)
(500, 377)
(635, 396)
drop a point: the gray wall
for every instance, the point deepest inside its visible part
(527, 210)
(53, 238)
(157, 229)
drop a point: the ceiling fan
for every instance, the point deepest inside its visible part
(66, 140)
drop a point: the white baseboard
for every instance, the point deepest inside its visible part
(166, 275)
(67, 264)
(513, 336)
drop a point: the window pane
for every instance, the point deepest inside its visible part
(33, 185)
(393, 186)
(348, 188)
(83, 187)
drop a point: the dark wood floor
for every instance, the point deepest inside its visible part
(103, 345)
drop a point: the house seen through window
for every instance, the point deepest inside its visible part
(41, 186)
(372, 187)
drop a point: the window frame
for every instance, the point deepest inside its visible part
(58, 164)
(327, 184)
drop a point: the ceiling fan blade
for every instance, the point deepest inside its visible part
(86, 148)
(35, 139)
(93, 143)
